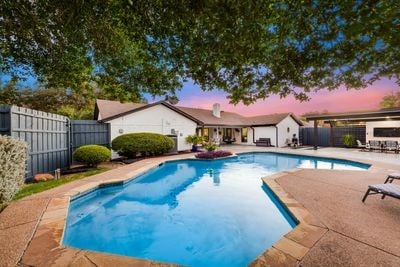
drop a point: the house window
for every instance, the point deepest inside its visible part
(288, 129)
(205, 133)
(244, 135)
(387, 132)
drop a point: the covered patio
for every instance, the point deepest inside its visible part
(224, 134)
(381, 124)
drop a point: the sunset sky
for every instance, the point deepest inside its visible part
(335, 101)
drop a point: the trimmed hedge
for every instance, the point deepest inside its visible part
(213, 154)
(92, 155)
(12, 167)
(129, 145)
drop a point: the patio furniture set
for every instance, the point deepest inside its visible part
(382, 146)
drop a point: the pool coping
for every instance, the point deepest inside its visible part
(289, 250)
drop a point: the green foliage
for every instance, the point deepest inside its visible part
(30, 189)
(129, 145)
(249, 49)
(349, 140)
(194, 139)
(12, 167)
(211, 147)
(92, 155)
(391, 101)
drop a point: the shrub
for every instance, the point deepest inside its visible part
(12, 167)
(213, 154)
(92, 155)
(129, 145)
(193, 139)
(349, 140)
(211, 147)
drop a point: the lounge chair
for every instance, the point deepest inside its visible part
(392, 146)
(384, 189)
(392, 176)
(360, 145)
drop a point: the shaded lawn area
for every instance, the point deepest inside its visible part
(30, 189)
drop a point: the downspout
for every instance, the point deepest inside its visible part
(276, 127)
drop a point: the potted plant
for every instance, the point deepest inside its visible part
(194, 140)
(349, 140)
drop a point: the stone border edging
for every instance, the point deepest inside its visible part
(293, 246)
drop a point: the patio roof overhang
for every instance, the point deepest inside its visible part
(379, 115)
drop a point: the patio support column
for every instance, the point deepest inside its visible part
(331, 124)
(315, 134)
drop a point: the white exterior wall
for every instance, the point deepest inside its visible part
(283, 133)
(370, 125)
(263, 132)
(156, 119)
(270, 132)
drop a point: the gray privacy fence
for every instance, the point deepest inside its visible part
(331, 136)
(85, 132)
(52, 138)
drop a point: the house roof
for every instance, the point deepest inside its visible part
(382, 114)
(109, 110)
(207, 118)
(271, 119)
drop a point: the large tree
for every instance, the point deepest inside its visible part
(390, 101)
(250, 49)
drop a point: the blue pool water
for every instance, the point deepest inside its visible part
(191, 212)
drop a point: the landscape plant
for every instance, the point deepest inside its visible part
(211, 147)
(12, 167)
(132, 144)
(349, 140)
(92, 155)
(194, 140)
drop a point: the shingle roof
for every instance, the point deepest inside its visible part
(272, 119)
(206, 117)
(108, 108)
(113, 109)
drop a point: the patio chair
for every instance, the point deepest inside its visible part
(375, 145)
(392, 146)
(384, 189)
(392, 176)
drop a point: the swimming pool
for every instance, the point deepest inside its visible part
(191, 212)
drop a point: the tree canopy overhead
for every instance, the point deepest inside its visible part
(250, 49)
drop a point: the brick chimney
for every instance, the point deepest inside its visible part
(217, 110)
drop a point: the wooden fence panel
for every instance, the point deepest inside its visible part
(47, 135)
(51, 137)
(88, 132)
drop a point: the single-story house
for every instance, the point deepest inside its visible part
(214, 124)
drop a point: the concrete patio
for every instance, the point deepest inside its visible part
(343, 231)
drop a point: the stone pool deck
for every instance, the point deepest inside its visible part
(336, 228)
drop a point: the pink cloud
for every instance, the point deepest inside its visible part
(340, 100)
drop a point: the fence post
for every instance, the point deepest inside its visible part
(69, 142)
